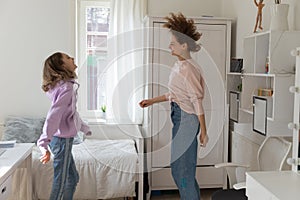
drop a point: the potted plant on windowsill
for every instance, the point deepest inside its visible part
(103, 109)
(279, 13)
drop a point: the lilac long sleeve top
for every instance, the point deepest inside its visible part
(186, 86)
(62, 119)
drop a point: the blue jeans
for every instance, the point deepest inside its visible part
(184, 152)
(65, 176)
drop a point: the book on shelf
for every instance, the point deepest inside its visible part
(264, 92)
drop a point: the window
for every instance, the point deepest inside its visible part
(110, 60)
(93, 27)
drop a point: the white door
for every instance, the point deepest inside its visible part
(212, 53)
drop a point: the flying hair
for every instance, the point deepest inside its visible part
(184, 30)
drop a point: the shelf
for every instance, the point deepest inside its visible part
(251, 74)
(258, 34)
(234, 73)
(250, 85)
(259, 74)
(273, 47)
(251, 113)
(246, 111)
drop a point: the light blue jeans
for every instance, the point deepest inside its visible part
(65, 177)
(184, 152)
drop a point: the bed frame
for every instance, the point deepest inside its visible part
(124, 131)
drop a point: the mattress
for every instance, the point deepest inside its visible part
(107, 169)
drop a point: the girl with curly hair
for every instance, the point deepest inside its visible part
(186, 93)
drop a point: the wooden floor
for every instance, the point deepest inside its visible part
(174, 195)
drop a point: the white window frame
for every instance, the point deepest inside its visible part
(81, 58)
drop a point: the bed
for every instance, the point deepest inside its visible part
(110, 165)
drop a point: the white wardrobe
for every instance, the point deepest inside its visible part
(214, 59)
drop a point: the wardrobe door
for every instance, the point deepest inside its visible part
(213, 40)
(213, 48)
(212, 61)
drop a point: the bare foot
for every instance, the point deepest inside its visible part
(261, 28)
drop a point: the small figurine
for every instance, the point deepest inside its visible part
(259, 6)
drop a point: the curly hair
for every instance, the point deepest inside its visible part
(54, 71)
(184, 30)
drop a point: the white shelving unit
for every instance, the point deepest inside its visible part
(270, 184)
(274, 46)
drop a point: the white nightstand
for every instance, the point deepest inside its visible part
(10, 160)
(277, 185)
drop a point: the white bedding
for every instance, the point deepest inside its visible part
(107, 169)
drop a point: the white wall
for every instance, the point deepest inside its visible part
(244, 13)
(33, 29)
(187, 7)
(30, 31)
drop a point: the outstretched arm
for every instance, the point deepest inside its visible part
(148, 102)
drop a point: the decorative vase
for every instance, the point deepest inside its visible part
(279, 13)
(103, 115)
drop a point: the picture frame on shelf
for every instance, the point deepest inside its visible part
(234, 105)
(260, 106)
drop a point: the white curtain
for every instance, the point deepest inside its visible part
(124, 69)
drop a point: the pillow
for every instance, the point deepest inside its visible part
(23, 129)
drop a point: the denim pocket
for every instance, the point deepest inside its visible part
(57, 146)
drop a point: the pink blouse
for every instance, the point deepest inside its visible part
(186, 86)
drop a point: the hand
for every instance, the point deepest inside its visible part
(146, 103)
(89, 133)
(45, 157)
(203, 138)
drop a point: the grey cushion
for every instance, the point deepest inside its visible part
(23, 129)
(28, 130)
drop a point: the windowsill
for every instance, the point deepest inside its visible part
(93, 121)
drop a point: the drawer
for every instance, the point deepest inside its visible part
(207, 177)
(5, 188)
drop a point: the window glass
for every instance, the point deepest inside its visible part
(93, 29)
